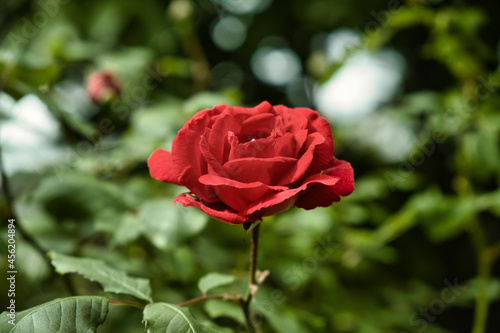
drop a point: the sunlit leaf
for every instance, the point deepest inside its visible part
(220, 308)
(214, 280)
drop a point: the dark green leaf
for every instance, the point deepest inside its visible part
(72, 314)
(111, 279)
(170, 318)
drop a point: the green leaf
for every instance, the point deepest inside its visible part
(35, 75)
(220, 308)
(282, 322)
(166, 225)
(170, 318)
(79, 197)
(214, 280)
(112, 280)
(72, 314)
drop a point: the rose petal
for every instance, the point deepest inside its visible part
(273, 204)
(324, 152)
(299, 118)
(344, 171)
(323, 195)
(316, 123)
(300, 138)
(285, 146)
(294, 120)
(214, 166)
(257, 127)
(161, 167)
(216, 210)
(281, 201)
(231, 121)
(187, 158)
(263, 107)
(303, 164)
(257, 148)
(217, 139)
(265, 170)
(235, 194)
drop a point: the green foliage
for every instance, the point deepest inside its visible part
(214, 280)
(163, 223)
(71, 314)
(112, 280)
(218, 308)
(419, 233)
(169, 318)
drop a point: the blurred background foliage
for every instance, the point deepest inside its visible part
(411, 90)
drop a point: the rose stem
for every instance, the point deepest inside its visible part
(252, 283)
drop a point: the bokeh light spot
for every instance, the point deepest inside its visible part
(229, 33)
(276, 66)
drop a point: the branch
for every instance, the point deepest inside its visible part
(484, 276)
(127, 303)
(207, 297)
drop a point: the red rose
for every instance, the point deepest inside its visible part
(244, 163)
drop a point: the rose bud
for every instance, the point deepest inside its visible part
(103, 86)
(241, 164)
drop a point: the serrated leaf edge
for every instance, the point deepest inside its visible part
(114, 279)
(54, 301)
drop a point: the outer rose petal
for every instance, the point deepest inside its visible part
(236, 194)
(216, 210)
(281, 201)
(314, 124)
(295, 173)
(344, 171)
(161, 167)
(322, 195)
(187, 158)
